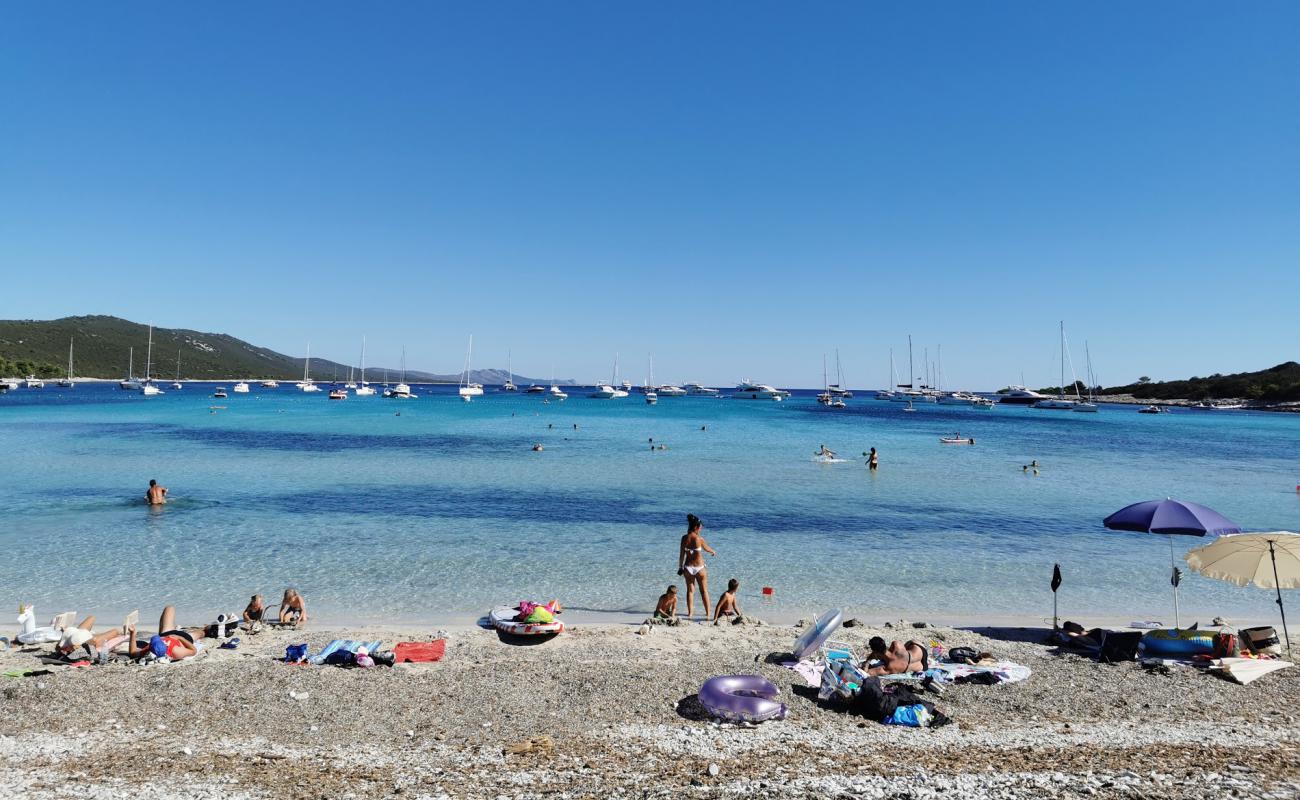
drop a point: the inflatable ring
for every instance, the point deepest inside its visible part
(503, 619)
(741, 698)
(817, 635)
(1178, 642)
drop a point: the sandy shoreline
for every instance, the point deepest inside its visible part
(611, 713)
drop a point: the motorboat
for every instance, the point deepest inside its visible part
(401, 392)
(1227, 406)
(651, 397)
(1152, 410)
(240, 388)
(272, 384)
(699, 389)
(1020, 396)
(885, 394)
(958, 399)
(625, 385)
(604, 391)
(468, 390)
(220, 392)
(982, 402)
(557, 394)
(671, 391)
(9, 385)
(338, 394)
(956, 438)
(33, 382)
(1056, 404)
(748, 390)
(535, 389)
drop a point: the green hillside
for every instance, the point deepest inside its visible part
(102, 345)
(1280, 384)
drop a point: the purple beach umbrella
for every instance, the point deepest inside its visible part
(1171, 518)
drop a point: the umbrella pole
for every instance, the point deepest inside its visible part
(1273, 557)
(1173, 566)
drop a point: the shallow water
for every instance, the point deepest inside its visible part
(443, 510)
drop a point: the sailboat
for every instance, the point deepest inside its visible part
(306, 384)
(1060, 402)
(176, 384)
(907, 392)
(651, 396)
(888, 394)
(401, 391)
(67, 383)
(350, 384)
(509, 385)
(555, 389)
(363, 389)
(607, 391)
(147, 388)
(825, 396)
(468, 391)
(129, 383)
(837, 389)
(1088, 406)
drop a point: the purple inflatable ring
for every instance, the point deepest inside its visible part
(741, 698)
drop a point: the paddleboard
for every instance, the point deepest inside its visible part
(503, 619)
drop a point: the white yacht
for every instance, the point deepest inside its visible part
(606, 391)
(401, 391)
(240, 388)
(467, 390)
(509, 385)
(306, 384)
(338, 394)
(699, 389)
(958, 398)
(651, 396)
(837, 389)
(148, 389)
(1060, 402)
(748, 390)
(557, 393)
(669, 390)
(1088, 406)
(176, 384)
(363, 389)
(626, 385)
(271, 384)
(66, 383)
(535, 389)
(907, 392)
(33, 382)
(220, 392)
(1020, 396)
(9, 385)
(351, 384)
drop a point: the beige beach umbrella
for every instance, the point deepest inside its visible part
(1267, 560)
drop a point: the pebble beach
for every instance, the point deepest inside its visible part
(602, 711)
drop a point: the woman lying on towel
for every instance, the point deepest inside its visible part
(171, 642)
(897, 659)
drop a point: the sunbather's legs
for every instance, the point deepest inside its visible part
(167, 621)
(87, 624)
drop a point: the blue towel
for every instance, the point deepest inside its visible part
(347, 645)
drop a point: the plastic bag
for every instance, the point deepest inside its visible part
(915, 716)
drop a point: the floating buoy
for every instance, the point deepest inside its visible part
(768, 591)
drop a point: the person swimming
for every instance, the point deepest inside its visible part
(155, 495)
(824, 453)
(690, 564)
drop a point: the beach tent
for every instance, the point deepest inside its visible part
(1267, 560)
(1171, 518)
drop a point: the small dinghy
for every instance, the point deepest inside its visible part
(955, 440)
(503, 619)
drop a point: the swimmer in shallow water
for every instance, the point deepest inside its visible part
(537, 447)
(155, 495)
(824, 453)
(690, 564)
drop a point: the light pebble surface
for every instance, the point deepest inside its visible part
(609, 713)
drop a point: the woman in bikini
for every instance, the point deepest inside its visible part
(690, 564)
(171, 642)
(898, 658)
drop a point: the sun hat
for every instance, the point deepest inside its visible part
(74, 638)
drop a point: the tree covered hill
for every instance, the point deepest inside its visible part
(102, 346)
(1280, 384)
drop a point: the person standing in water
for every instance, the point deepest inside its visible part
(155, 495)
(690, 564)
(873, 460)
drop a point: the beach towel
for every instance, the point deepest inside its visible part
(809, 669)
(1003, 671)
(419, 652)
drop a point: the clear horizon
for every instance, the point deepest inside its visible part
(735, 188)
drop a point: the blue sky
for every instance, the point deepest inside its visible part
(737, 187)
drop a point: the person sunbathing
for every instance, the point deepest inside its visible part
(897, 659)
(293, 609)
(728, 605)
(170, 642)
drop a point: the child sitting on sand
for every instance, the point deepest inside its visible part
(293, 609)
(727, 605)
(666, 608)
(253, 613)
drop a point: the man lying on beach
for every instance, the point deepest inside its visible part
(293, 609)
(896, 659)
(170, 642)
(727, 605)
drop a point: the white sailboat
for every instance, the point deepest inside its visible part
(509, 385)
(176, 384)
(1088, 406)
(907, 392)
(401, 391)
(306, 384)
(607, 391)
(363, 389)
(467, 390)
(147, 388)
(1060, 402)
(837, 389)
(67, 383)
(888, 394)
(651, 396)
(351, 384)
(129, 383)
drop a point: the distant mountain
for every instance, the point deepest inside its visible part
(102, 344)
(1280, 384)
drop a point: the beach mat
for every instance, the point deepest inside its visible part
(1247, 670)
(419, 652)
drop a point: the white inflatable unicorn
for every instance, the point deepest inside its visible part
(28, 633)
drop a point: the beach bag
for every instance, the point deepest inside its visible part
(1261, 640)
(295, 653)
(1225, 645)
(913, 716)
(1119, 646)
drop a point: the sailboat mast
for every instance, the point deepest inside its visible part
(148, 357)
(70, 359)
(363, 360)
(306, 365)
(910, 368)
(1062, 383)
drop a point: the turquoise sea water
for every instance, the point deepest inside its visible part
(442, 511)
